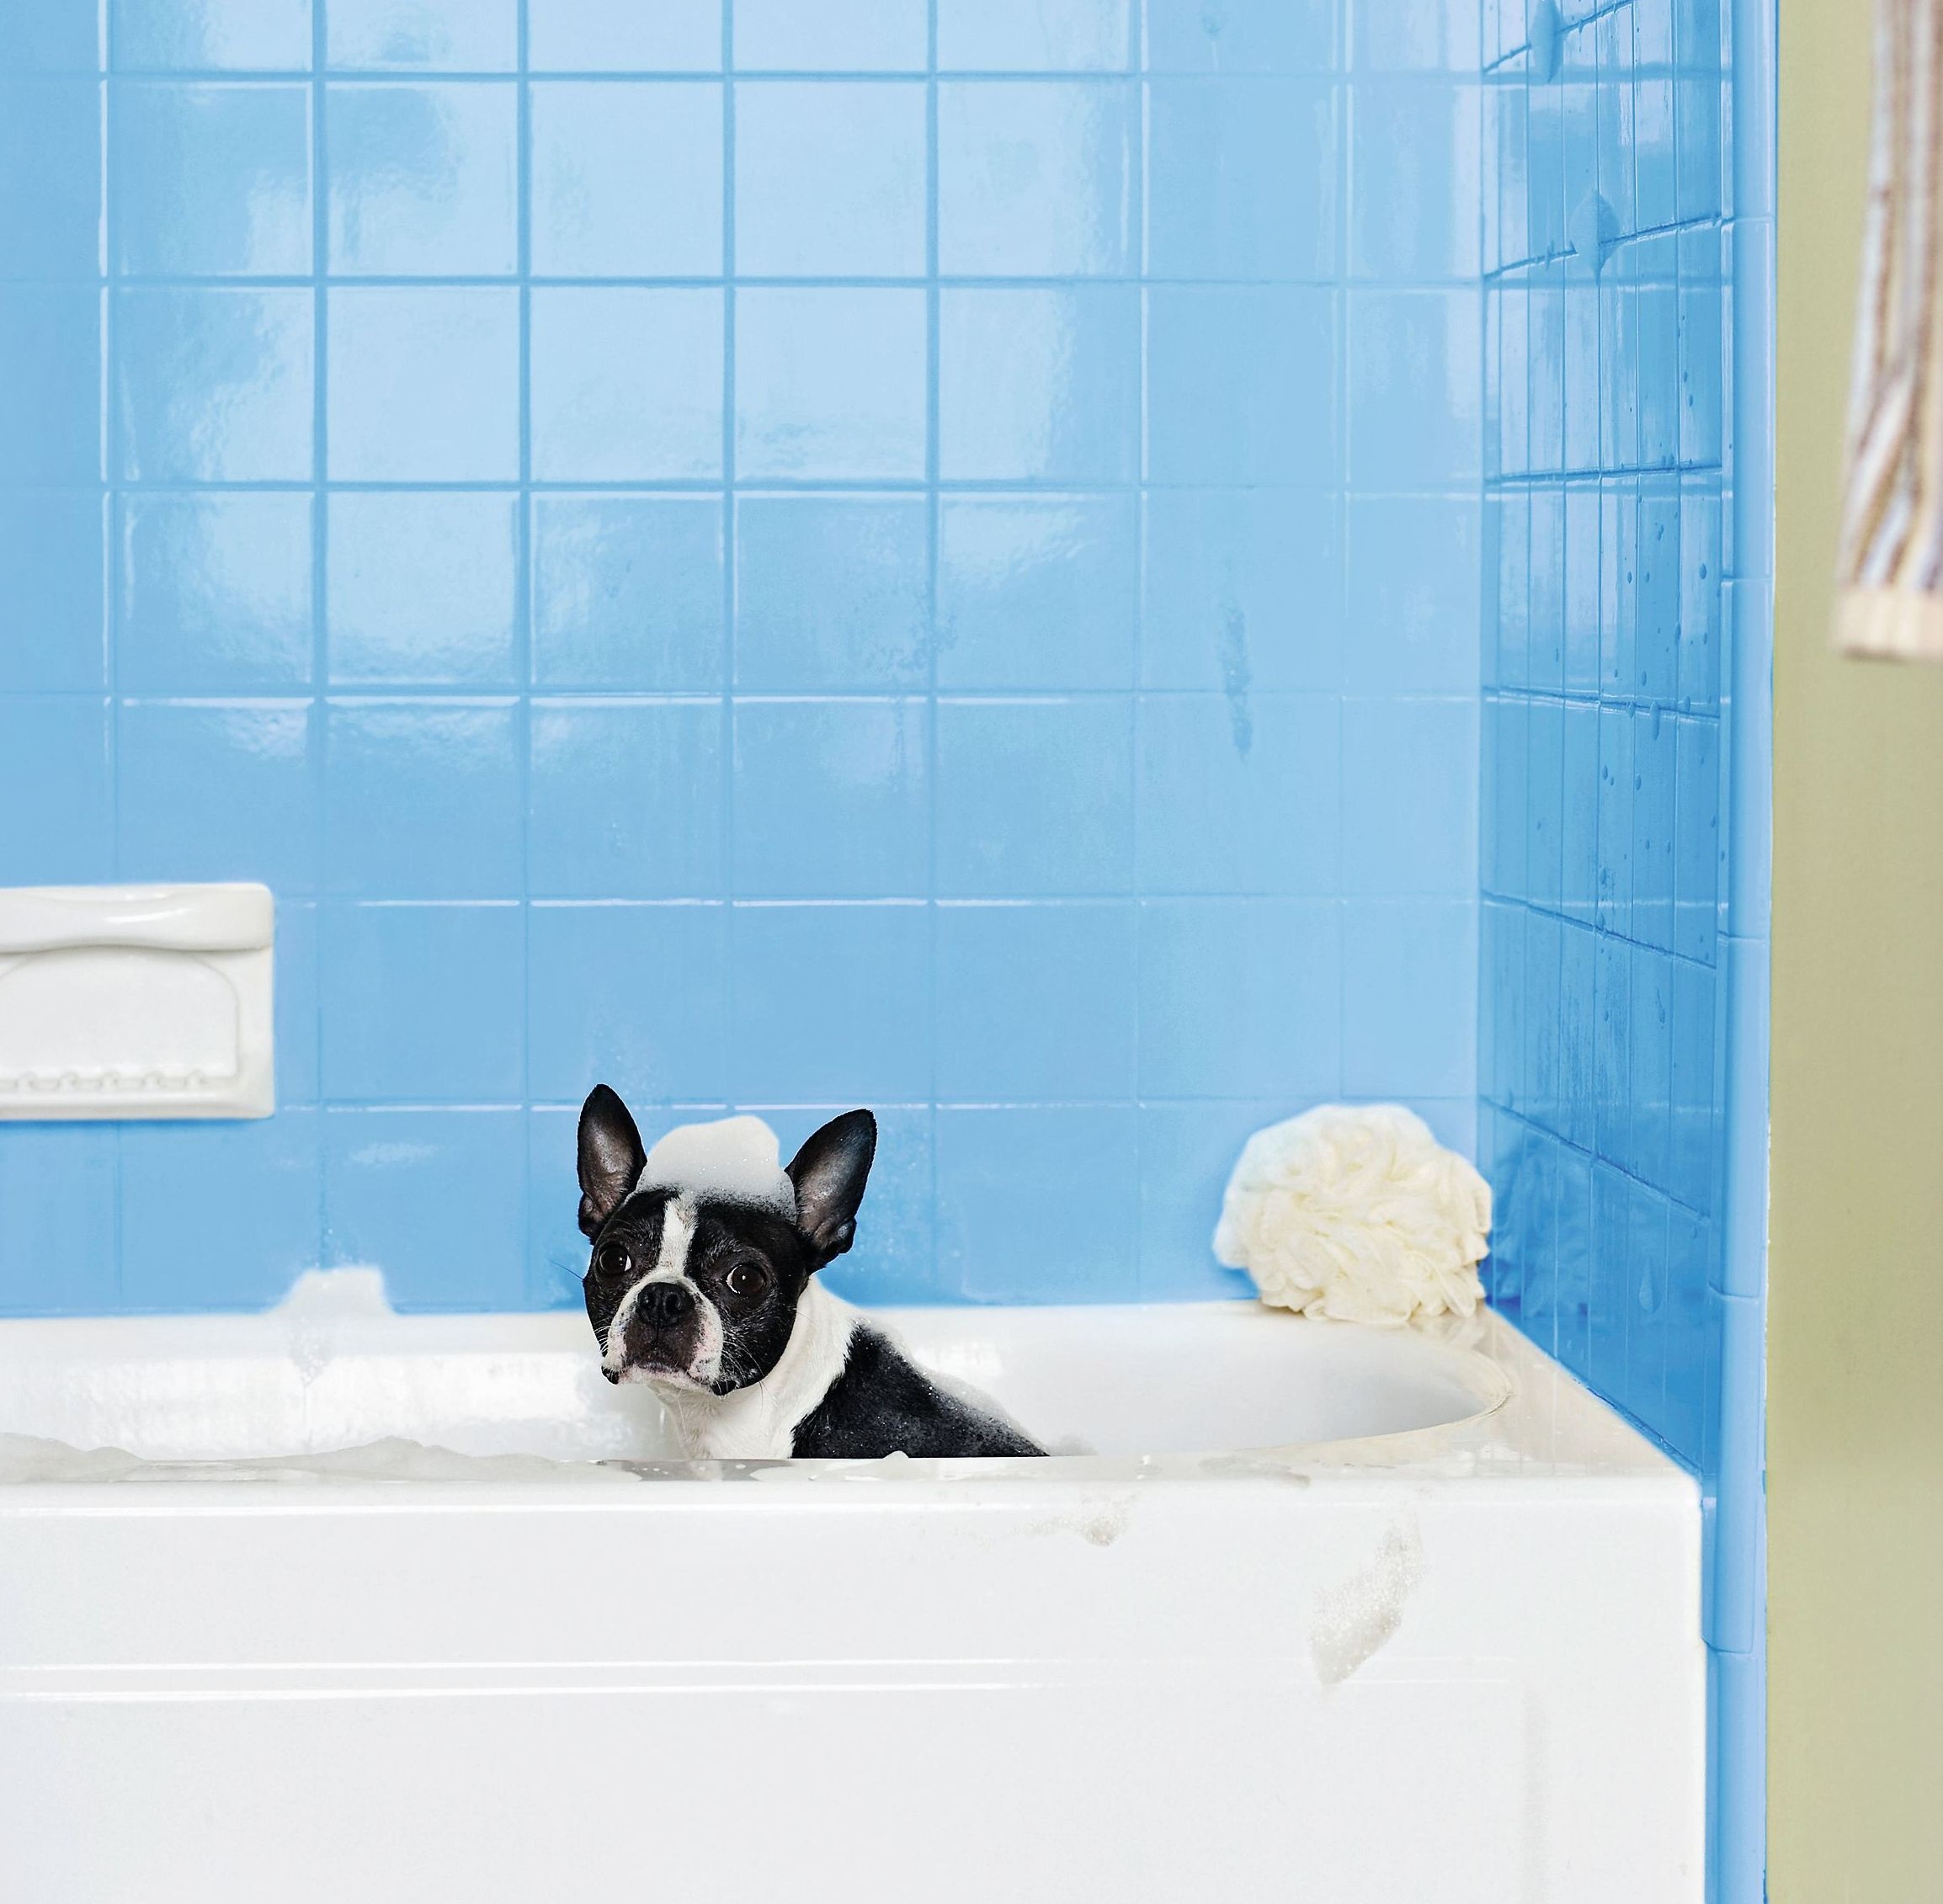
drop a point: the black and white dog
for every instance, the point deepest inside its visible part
(702, 1284)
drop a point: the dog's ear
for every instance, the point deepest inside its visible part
(829, 1172)
(610, 1157)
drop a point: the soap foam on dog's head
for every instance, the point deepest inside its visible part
(733, 1160)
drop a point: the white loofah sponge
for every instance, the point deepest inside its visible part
(1356, 1212)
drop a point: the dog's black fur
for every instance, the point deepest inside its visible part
(748, 1268)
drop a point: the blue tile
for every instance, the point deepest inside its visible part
(213, 386)
(1242, 178)
(830, 178)
(1578, 826)
(1650, 1085)
(51, 219)
(893, 1259)
(1409, 997)
(423, 36)
(1025, 36)
(1243, 588)
(1655, 783)
(1578, 1038)
(1544, 803)
(1618, 593)
(1036, 1003)
(1697, 842)
(211, 181)
(1509, 645)
(621, 182)
(1242, 385)
(1616, 805)
(211, 35)
(1187, 1152)
(423, 1003)
(1008, 1173)
(1612, 1049)
(1040, 386)
(635, 996)
(1430, 36)
(1234, 806)
(627, 383)
(626, 800)
(833, 35)
(214, 594)
(1034, 177)
(1413, 575)
(1693, 1163)
(423, 384)
(1414, 170)
(832, 593)
(1656, 653)
(421, 179)
(422, 589)
(296, 978)
(54, 789)
(435, 1199)
(219, 1215)
(1038, 591)
(623, 36)
(627, 592)
(58, 1231)
(1409, 799)
(557, 1254)
(1545, 650)
(217, 790)
(1583, 576)
(1242, 36)
(831, 1003)
(830, 383)
(1413, 388)
(1240, 997)
(422, 799)
(51, 636)
(1034, 796)
(1543, 1048)
(832, 799)
(1510, 761)
(1700, 599)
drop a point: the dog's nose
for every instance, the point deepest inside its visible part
(662, 1305)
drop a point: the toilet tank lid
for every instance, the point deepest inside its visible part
(235, 916)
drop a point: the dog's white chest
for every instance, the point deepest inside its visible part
(758, 1423)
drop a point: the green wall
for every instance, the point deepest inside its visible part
(1856, 1346)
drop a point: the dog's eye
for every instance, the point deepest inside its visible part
(746, 1278)
(612, 1261)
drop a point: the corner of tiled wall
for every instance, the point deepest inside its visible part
(1629, 204)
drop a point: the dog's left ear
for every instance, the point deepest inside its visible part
(829, 1172)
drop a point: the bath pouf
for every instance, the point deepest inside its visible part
(1356, 1212)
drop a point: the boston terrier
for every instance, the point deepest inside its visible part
(702, 1284)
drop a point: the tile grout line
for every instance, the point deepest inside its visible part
(324, 907)
(729, 544)
(933, 517)
(523, 671)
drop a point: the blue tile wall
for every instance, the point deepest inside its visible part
(779, 552)
(1622, 1045)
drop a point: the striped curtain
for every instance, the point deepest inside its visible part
(1890, 577)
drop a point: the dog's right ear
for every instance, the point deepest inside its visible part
(610, 1157)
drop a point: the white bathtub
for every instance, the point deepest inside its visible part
(1329, 1616)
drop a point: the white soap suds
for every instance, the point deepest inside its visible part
(1357, 1620)
(734, 1158)
(27, 1459)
